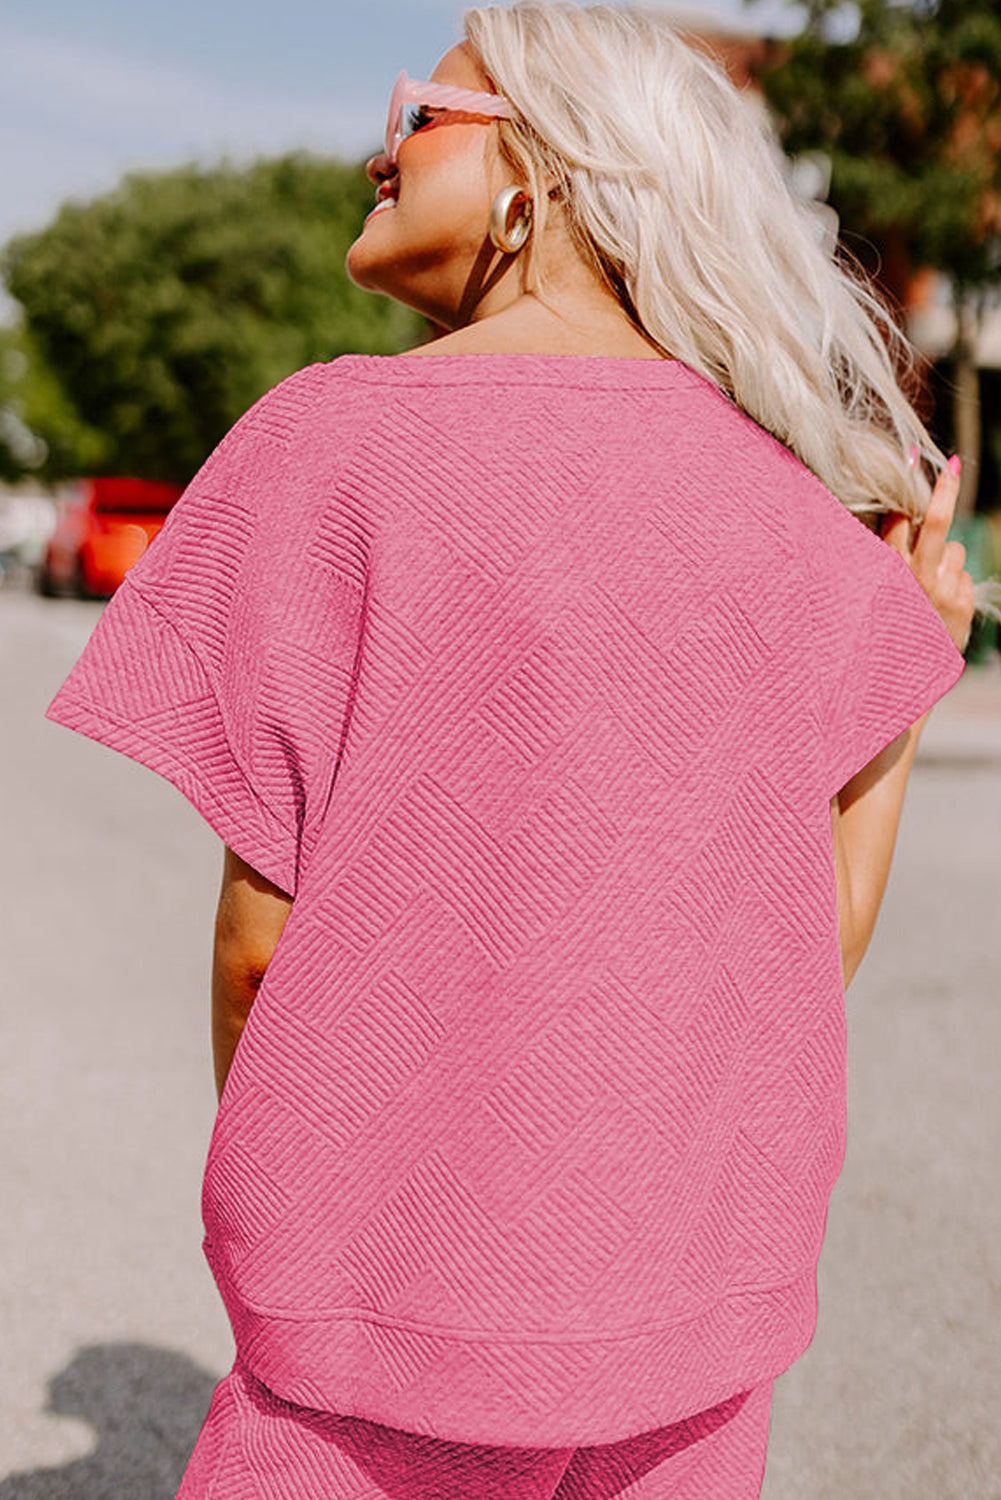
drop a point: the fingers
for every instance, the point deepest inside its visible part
(923, 543)
(895, 528)
(953, 558)
(938, 564)
(930, 545)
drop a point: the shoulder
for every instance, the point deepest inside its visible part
(267, 478)
(776, 482)
(301, 400)
(312, 417)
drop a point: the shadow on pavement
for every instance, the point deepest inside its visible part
(146, 1407)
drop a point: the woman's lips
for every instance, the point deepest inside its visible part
(386, 195)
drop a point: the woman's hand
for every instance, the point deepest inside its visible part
(936, 563)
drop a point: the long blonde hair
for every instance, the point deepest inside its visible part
(674, 191)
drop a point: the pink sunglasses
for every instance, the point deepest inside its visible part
(406, 107)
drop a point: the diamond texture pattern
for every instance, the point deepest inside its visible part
(535, 704)
(255, 1446)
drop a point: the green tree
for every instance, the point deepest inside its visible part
(163, 310)
(904, 99)
(41, 432)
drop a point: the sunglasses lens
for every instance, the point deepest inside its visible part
(412, 118)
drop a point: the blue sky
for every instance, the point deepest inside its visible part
(90, 90)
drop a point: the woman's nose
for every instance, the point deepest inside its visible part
(379, 167)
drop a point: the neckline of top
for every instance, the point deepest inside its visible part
(573, 369)
(597, 359)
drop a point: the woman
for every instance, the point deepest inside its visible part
(557, 721)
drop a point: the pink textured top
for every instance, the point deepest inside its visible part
(531, 678)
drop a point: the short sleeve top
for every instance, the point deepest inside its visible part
(531, 680)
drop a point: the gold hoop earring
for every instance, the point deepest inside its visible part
(508, 237)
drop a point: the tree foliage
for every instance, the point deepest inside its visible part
(41, 432)
(904, 97)
(164, 309)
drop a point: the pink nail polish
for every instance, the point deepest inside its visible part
(956, 464)
(912, 457)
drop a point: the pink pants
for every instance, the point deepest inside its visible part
(255, 1447)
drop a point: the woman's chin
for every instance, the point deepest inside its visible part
(363, 267)
(370, 254)
(373, 275)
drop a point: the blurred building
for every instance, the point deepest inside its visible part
(924, 295)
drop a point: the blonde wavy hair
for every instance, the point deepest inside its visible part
(674, 191)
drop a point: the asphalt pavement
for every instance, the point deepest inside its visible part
(110, 1329)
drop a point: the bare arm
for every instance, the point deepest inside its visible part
(866, 812)
(249, 922)
(865, 816)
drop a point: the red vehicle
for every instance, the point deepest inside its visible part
(100, 532)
